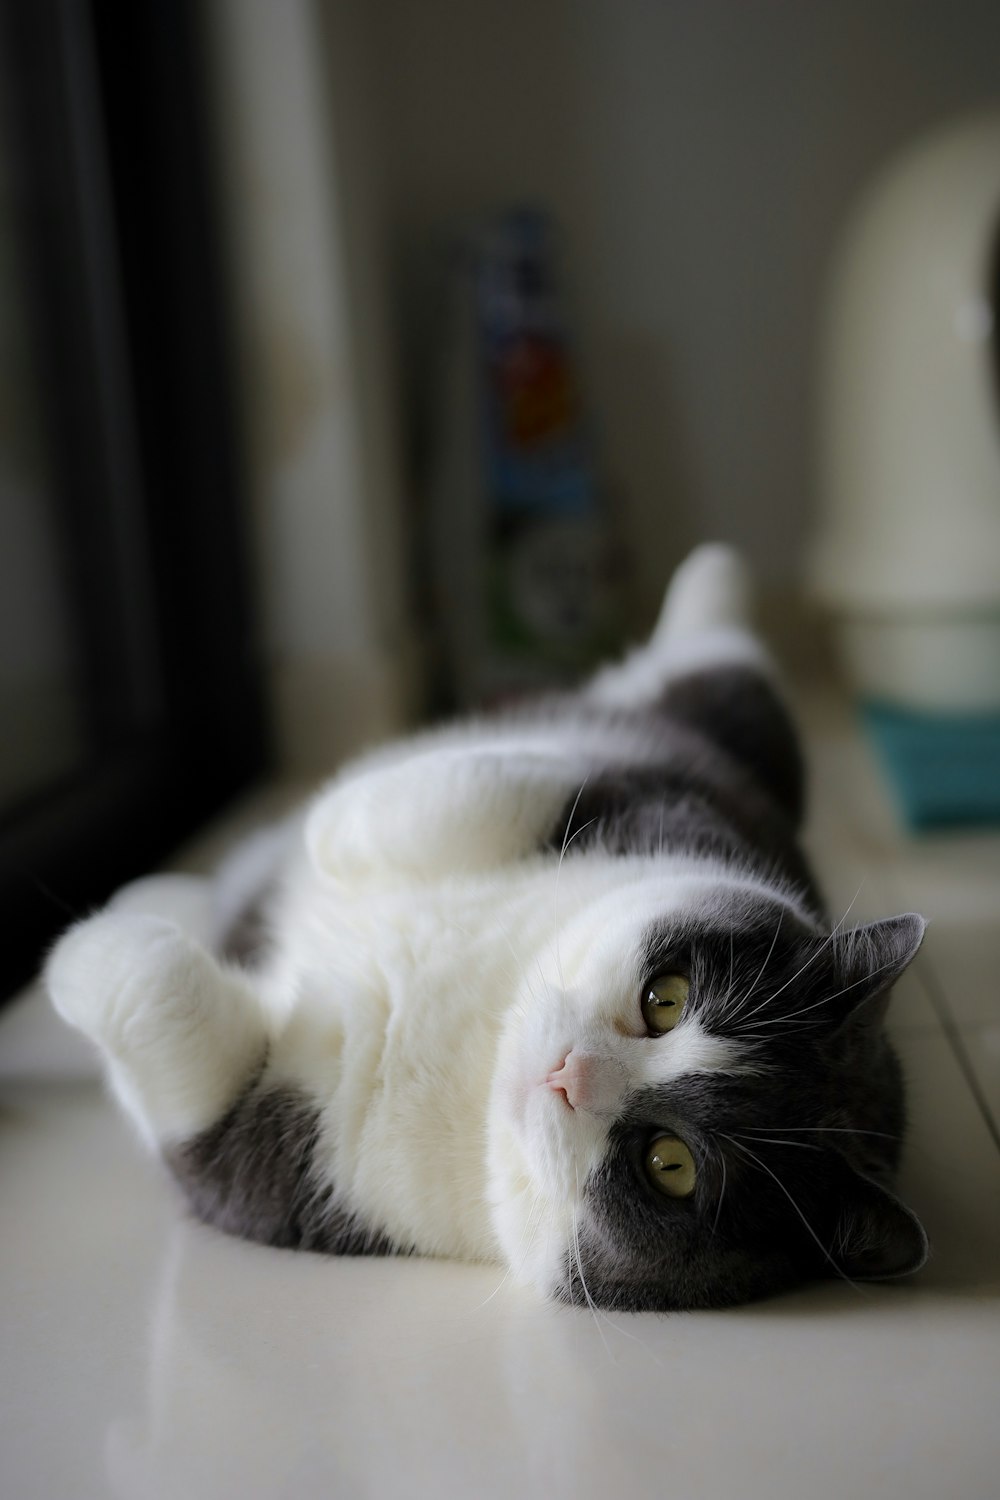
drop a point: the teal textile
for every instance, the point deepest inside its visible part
(943, 768)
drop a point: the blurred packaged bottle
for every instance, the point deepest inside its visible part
(524, 563)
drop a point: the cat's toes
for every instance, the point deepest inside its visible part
(108, 969)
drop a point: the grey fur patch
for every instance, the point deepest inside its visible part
(738, 709)
(253, 1174)
(729, 784)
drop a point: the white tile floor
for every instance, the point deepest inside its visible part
(143, 1355)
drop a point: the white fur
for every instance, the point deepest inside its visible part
(179, 1034)
(429, 971)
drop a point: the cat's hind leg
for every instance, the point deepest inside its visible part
(180, 1036)
(190, 1054)
(706, 620)
(705, 667)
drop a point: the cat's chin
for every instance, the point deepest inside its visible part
(532, 1229)
(541, 1154)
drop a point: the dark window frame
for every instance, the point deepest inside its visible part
(107, 107)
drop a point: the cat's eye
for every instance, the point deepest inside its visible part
(670, 1167)
(664, 1002)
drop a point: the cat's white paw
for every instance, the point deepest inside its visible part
(179, 1035)
(111, 969)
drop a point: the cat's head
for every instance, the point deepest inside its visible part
(696, 1105)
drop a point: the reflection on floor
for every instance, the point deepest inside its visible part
(146, 1356)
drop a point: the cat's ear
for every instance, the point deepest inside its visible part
(877, 1237)
(869, 960)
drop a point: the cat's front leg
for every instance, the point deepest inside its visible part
(180, 1035)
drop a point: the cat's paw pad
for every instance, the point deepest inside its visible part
(109, 969)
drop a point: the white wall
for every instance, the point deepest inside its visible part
(302, 199)
(701, 155)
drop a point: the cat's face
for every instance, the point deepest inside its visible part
(695, 1101)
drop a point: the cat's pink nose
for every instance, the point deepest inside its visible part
(570, 1078)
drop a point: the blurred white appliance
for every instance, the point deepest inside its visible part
(907, 554)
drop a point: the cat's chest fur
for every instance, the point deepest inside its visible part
(399, 994)
(396, 994)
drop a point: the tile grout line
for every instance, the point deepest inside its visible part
(935, 993)
(927, 977)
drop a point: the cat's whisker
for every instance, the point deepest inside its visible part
(764, 965)
(777, 1180)
(865, 979)
(821, 949)
(531, 1223)
(586, 1291)
(597, 1312)
(722, 1193)
(728, 1010)
(774, 1140)
(498, 1288)
(835, 1130)
(582, 829)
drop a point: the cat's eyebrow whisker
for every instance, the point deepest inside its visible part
(763, 966)
(863, 980)
(821, 949)
(777, 1180)
(582, 829)
(834, 1130)
(775, 1140)
(825, 999)
(728, 1011)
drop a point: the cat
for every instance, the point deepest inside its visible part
(552, 988)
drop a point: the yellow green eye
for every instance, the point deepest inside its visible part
(670, 1167)
(664, 1002)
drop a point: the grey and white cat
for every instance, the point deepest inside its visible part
(552, 988)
